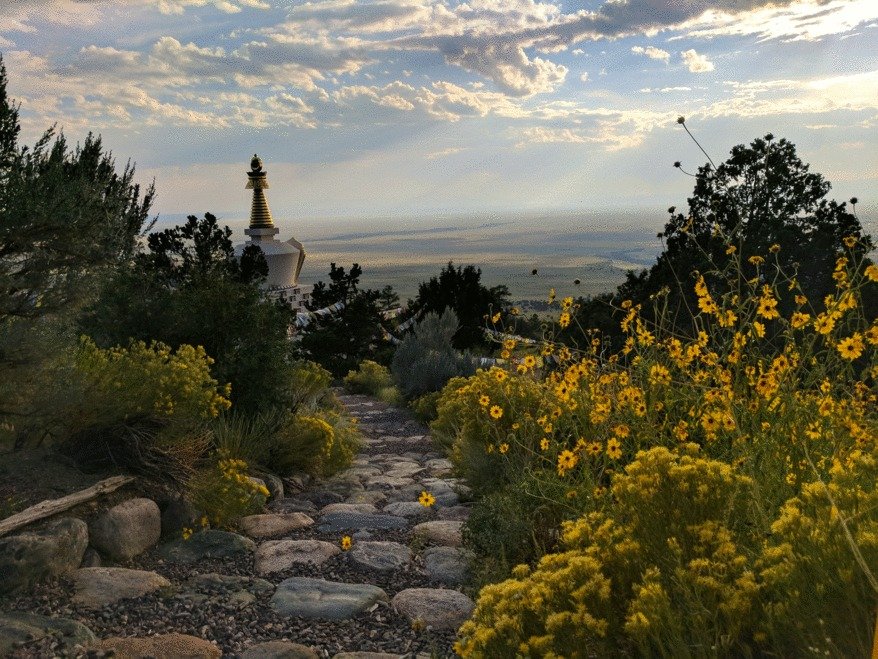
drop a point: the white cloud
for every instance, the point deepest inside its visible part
(696, 63)
(584, 77)
(653, 53)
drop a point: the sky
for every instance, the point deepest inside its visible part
(423, 107)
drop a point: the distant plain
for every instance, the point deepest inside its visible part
(597, 248)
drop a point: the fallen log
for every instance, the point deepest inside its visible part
(51, 507)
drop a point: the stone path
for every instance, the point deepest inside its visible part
(284, 586)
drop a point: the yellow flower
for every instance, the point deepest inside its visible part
(659, 374)
(566, 461)
(426, 499)
(504, 354)
(798, 320)
(504, 447)
(756, 260)
(849, 241)
(496, 411)
(614, 449)
(567, 302)
(484, 400)
(495, 318)
(731, 249)
(595, 448)
(544, 443)
(758, 329)
(622, 430)
(851, 347)
(774, 249)
(500, 374)
(187, 533)
(564, 320)
(530, 361)
(767, 307)
(346, 543)
(509, 344)
(801, 300)
(871, 272)
(521, 369)
(824, 323)
(872, 335)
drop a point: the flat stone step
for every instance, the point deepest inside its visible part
(338, 522)
(436, 608)
(17, 627)
(266, 526)
(325, 600)
(163, 646)
(441, 532)
(380, 556)
(97, 586)
(278, 555)
(207, 544)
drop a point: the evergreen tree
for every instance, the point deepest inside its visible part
(461, 290)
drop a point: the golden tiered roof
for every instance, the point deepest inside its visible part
(260, 214)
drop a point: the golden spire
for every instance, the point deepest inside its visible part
(260, 214)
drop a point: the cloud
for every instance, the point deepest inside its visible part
(696, 63)
(225, 6)
(653, 53)
(584, 77)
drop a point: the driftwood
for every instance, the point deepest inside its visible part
(53, 506)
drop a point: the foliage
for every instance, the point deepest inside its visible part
(141, 407)
(66, 216)
(370, 378)
(426, 359)
(626, 573)
(320, 444)
(768, 417)
(460, 289)
(188, 288)
(224, 492)
(342, 340)
(424, 407)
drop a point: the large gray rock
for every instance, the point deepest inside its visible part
(448, 565)
(325, 600)
(163, 646)
(436, 608)
(441, 532)
(97, 586)
(266, 526)
(293, 506)
(20, 627)
(385, 482)
(374, 497)
(275, 486)
(380, 556)
(32, 556)
(207, 544)
(279, 555)
(404, 470)
(337, 522)
(126, 530)
(279, 650)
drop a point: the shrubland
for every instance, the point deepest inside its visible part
(708, 488)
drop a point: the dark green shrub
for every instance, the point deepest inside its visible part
(370, 378)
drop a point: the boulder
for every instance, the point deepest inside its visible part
(19, 627)
(325, 600)
(163, 646)
(266, 526)
(31, 556)
(207, 544)
(436, 608)
(279, 650)
(97, 586)
(275, 486)
(128, 529)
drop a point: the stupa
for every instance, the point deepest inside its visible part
(284, 258)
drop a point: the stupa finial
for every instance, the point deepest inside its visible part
(260, 214)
